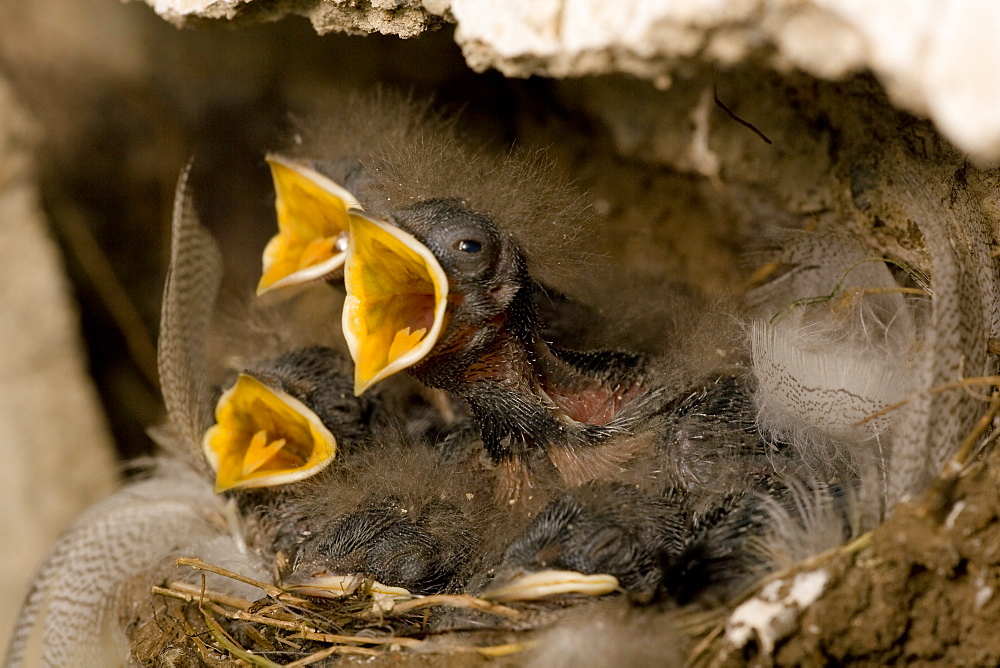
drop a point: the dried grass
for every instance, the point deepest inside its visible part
(282, 629)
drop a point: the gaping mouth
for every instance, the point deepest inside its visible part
(313, 226)
(326, 585)
(396, 298)
(541, 584)
(264, 437)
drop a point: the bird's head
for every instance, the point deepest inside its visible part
(594, 540)
(386, 547)
(437, 281)
(559, 553)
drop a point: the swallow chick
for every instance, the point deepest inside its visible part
(313, 212)
(395, 520)
(593, 540)
(387, 158)
(314, 202)
(354, 160)
(442, 292)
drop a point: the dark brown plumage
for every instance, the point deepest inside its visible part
(597, 529)
(407, 515)
(418, 549)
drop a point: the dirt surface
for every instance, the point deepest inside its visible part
(921, 589)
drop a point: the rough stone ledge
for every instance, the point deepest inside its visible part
(937, 58)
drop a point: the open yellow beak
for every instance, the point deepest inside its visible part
(396, 298)
(264, 437)
(313, 225)
(541, 584)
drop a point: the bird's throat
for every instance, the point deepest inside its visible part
(581, 397)
(570, 394)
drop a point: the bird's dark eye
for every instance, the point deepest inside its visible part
(469, 246)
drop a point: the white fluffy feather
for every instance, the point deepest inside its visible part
(64, 620)
(832, 346)
(808, 382)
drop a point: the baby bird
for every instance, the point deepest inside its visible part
(397, 519)
(443, 292)
(370, 156)
(313, 210)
